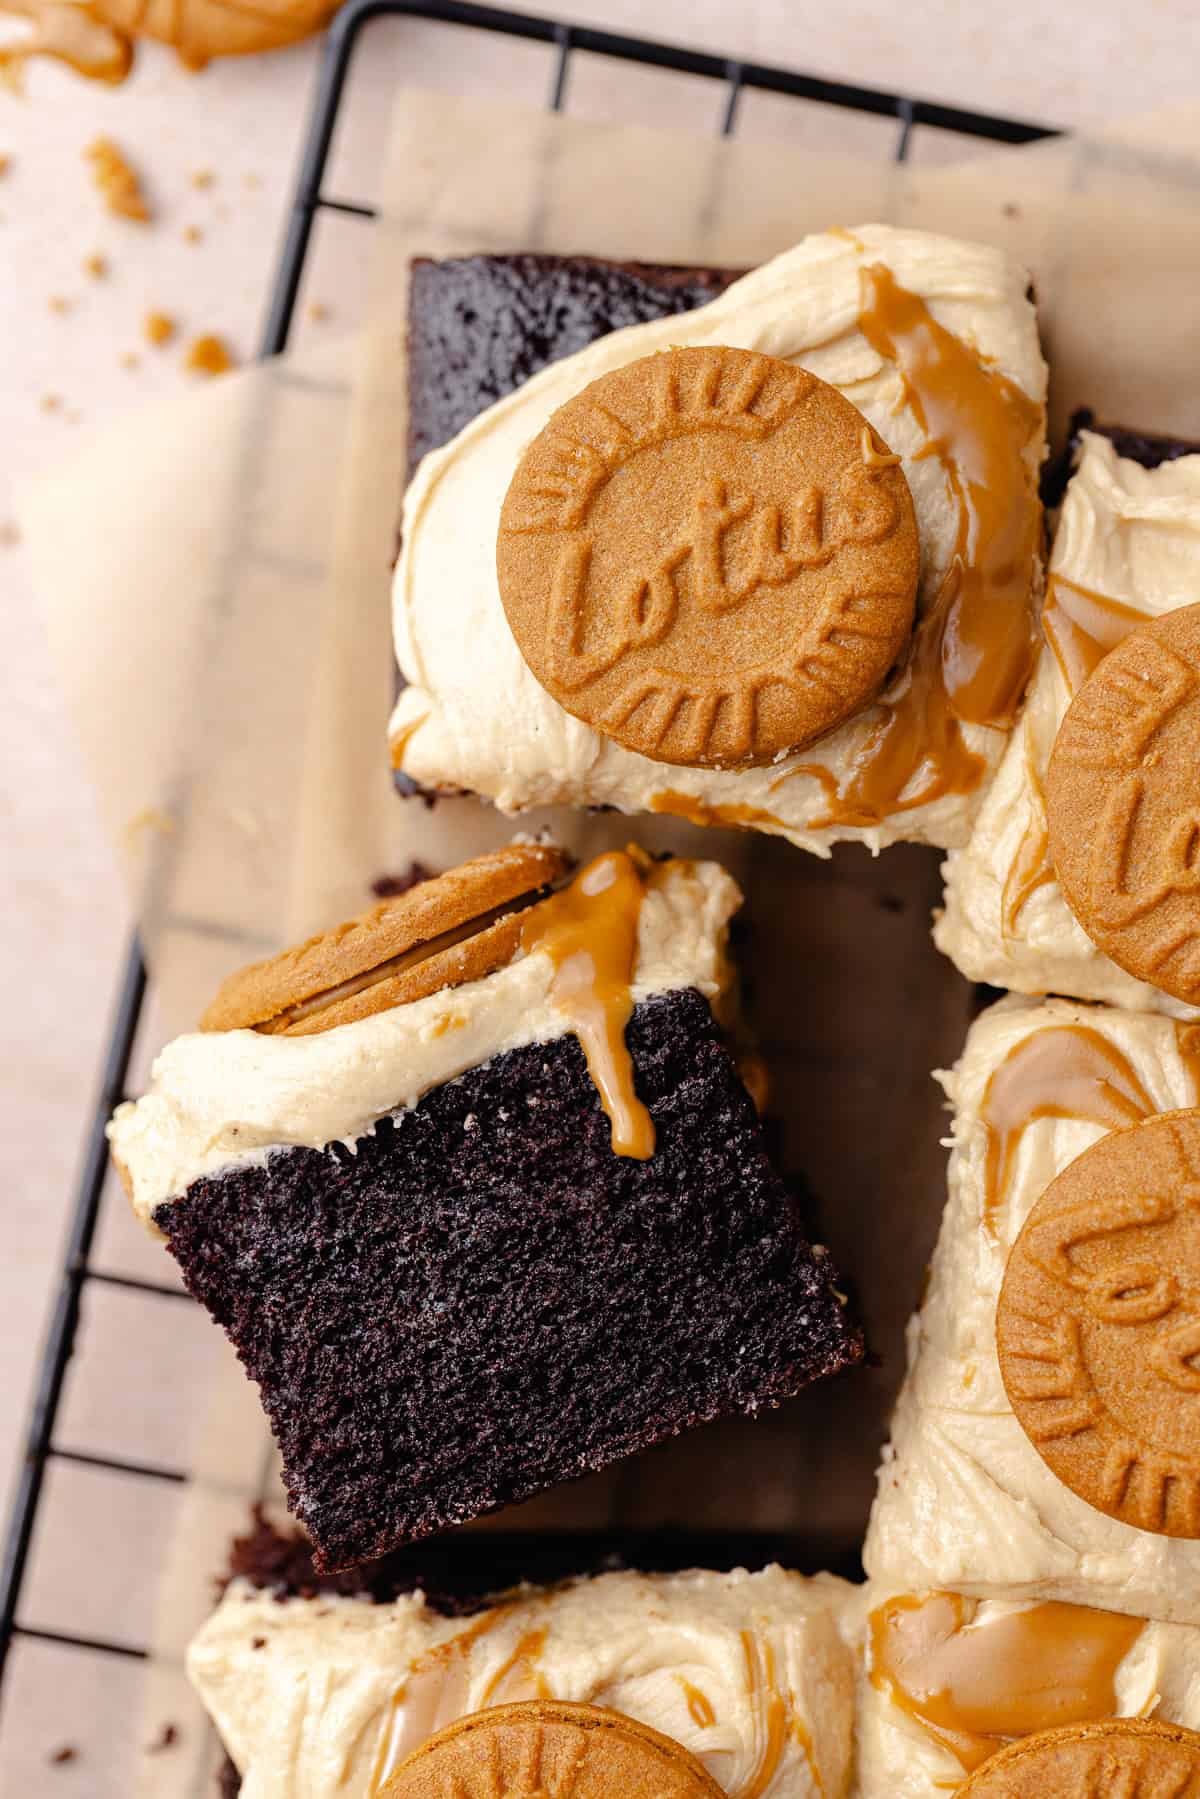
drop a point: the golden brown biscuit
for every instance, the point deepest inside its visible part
(455, 928)
(709, 556)
(1098, 1324)
(1123, 804)
(1121, 1758)
(544, 1749)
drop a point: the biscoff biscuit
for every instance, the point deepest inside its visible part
(457, 927)
(1135, 1758)
(1096, 1327)
(545, 1749)
(1123, 804)
(709, 556)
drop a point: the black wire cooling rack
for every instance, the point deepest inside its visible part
(567, 41)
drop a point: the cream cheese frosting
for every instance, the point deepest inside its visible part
(898, 1757)
(322, 1697)
(964, 1500)
(226, 1097)
(473, 716)
(1130, 536)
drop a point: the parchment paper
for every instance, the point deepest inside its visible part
(216, 577)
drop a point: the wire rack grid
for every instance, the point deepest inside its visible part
(733, 78)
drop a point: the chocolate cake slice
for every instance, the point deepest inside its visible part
(463, 1259)
(479, 326)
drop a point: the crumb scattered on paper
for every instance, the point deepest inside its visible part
(51, 402)
(158, 328)
(209, 355)
(203, 178)
(58, 303)
(96, 265)
(5, 165)
(130, 359)
(167, 1738)
(150, 818)
(251, 180)
(192, 234)
(58, 1758)
(117, 181)
(9, 534)
(318, 312)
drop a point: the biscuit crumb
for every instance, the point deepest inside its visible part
(59, 1757)
(158, 328)
(95, 265)
(117, 181)
(318, 312)
(5, 165)
(9, 534)
(59, 303)
(209, 355)
(130, 359)
(167, 1738)
(51, 402)
(251, 181)
(192, 234)
(202, 178)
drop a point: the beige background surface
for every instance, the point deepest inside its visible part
(63, 906)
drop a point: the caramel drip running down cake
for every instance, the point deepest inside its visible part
(676, 571)
(475, 1187)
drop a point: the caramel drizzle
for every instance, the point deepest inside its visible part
(1082, 626)
(1031, 867)
(700, 1706)
(976, 1686)
(699, 812)
(771, 1714)
(972, 653)
(519, 1677)
(590, 933)
(403, 738)
(1061, 1071)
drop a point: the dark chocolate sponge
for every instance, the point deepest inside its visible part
(1150, 448)
(480, 326)
(482, 1301)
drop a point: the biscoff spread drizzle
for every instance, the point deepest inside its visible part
(972, 652)
(1082, 626)
(1063, 1071)
(590, 931)
(975, 1685)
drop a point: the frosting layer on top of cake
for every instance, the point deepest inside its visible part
(965, 1501)
(223, 1097)
(1003, 1669)
(473, 714)
(1127, 548)
(325, 1696)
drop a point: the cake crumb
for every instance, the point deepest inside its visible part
(258, 1642)
(192, 234)
(202, 178)
(51, 402)
(95, 265)
(117, 181)
(130, 359)
(58, 1758)
(9, 534)
(392, 886)
(318, 312)
(58, 303)
(209, 355)
(167, 1738)
(158, 328)
(5, 165)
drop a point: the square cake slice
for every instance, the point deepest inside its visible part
(933, 343)
(1126, 549)
(476, 1189)
(328, 1694)
(966, 1500)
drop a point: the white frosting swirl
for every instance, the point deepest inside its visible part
(748, 1671)
(474, 716)
(224, 1097)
